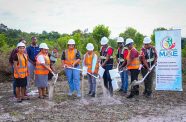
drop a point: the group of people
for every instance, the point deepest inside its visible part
(34, 62)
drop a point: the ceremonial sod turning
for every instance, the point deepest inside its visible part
(111, 76)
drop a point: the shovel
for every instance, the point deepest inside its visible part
(142, 80)
(51, 86)
(83, 71)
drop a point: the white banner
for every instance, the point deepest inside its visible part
(169, 69)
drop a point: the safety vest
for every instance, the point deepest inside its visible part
(40, 69)
(103, 55)
(135, 63)
(149, 55)
(120, 54)
(22, 66)
(88, 62)
(70, 56)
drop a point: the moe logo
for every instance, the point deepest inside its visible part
(168, 48)
(167, 43)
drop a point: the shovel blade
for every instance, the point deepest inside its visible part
(51, 92)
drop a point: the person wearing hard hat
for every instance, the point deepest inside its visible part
(71, 59)
(20, 72)
(90, 60)
(11, 62)
(133, 65)
(42, 69)
(121, 59)
(148, 58)
(106, 57)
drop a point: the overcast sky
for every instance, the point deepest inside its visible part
(65, 16)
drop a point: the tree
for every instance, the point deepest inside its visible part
(138, 40)
(62, 42)
(3, 40)
(129, 33)
(133, 34)
(153, 35)
(3, 28)
(99, 32)
(77, 31)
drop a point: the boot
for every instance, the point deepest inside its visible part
(130, 96)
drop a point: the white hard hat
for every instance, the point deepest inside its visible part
(20, 44)
(43, 46)
(147, 40)
(120, 39)
(90, 47)
(128, 41)
(71, 41)
(104, 40)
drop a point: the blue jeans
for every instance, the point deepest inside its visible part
(92, 83)
(13, 82)
(73, 77)
(124, 80)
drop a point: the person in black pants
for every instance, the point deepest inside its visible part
(106, 58)
(133, 65)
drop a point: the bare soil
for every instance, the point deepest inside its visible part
(163, 106)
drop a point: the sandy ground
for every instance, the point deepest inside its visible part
(163, 106)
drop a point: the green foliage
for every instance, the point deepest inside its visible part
(129, 33)
(99, 32)
(138, 40)
(62, 42)
(113, 43)
(183, 42)
(3, 40)
(10, 37)
(133, 34)
(184, 52)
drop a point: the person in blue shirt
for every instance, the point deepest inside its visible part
(32, 52)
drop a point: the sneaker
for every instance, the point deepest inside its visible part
(89, 93)
(70, 94)
(93, 95)
(41, 97)
(19, 100)
(148, 95)
(130, 96)
(45, 95)
(78, 95)
(25, 98)
(144, 93)
(120, 90)
(124, 92)
(111, 94)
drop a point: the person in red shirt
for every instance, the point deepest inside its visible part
(106, 58)
(121, 60)
(133, 65)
